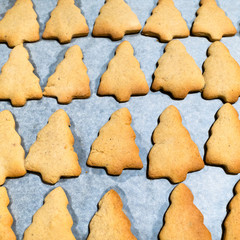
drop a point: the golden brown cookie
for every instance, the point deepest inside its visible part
(52, 221)
(212, 22)
(52, 155)
(19, 24)
(70, 79)
(17, 80)
(221, 74)
(166, 22)
(110, 222)
(115, 148)
(12, 153)
(232, 221)
(66, 22)
(115, 20)
(124, 76)
(183, 220)
(177, 72)
(6, 220)
(223, 146)
(174, 154)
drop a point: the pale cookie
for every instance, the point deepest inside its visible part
(183, 220)
(52, 221)
(115, 20)
(221, 74)
(6, 220)
(115, 148)
(110, 222)
(19, 24)
(17, 80)
(12, 153)
(223, 146)
(66, 22)
(124, 76)
(232, 221)
(166, 22)
(212, 22)
(52, 155)
(174, 154)
(177, 72)
(70, 79)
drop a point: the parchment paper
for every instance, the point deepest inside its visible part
(145, 201)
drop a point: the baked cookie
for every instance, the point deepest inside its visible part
(221, 74)
(110, 222)
(6, 220)
(212, 22)
(19, 24)
(223, 146)
(115, 148)
(52, 221)
(115, 20)
(174, 154)
(166, 22)
(70, 79)
(177, 72)
(183, 220)
(17, 80)
(232, 221)
(52, 155)
(66, 22)
(124, 76)
(12, 153)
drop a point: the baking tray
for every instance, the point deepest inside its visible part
(145, 201)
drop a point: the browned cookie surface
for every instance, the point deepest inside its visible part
(52, 221)
(115, 20)
(177, 72)
(6, 220)
(174, 154)
(166, 22)
(70, 79)
(52, 155)
(19, 24)
(12, 153)
(115, 148)
(223, 146)
(17, 80)
(124, 76)
(212, 22)
(183, 220)
(66, 21)
(110, 222)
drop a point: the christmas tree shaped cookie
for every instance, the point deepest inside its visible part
(212, 22)
(174, 154)
(110, 222)
(17, 80)
(115, 147)
(183, 220)
(52, 221)
(52, 155)
(124, 76)
(177, 72)
(11, 152)
(66, 22)
(70, 79)
(232, 221)
(115, 20)
(223, 146)
(19, 24)
(6, 220)
(166, 22)
(221, 74)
